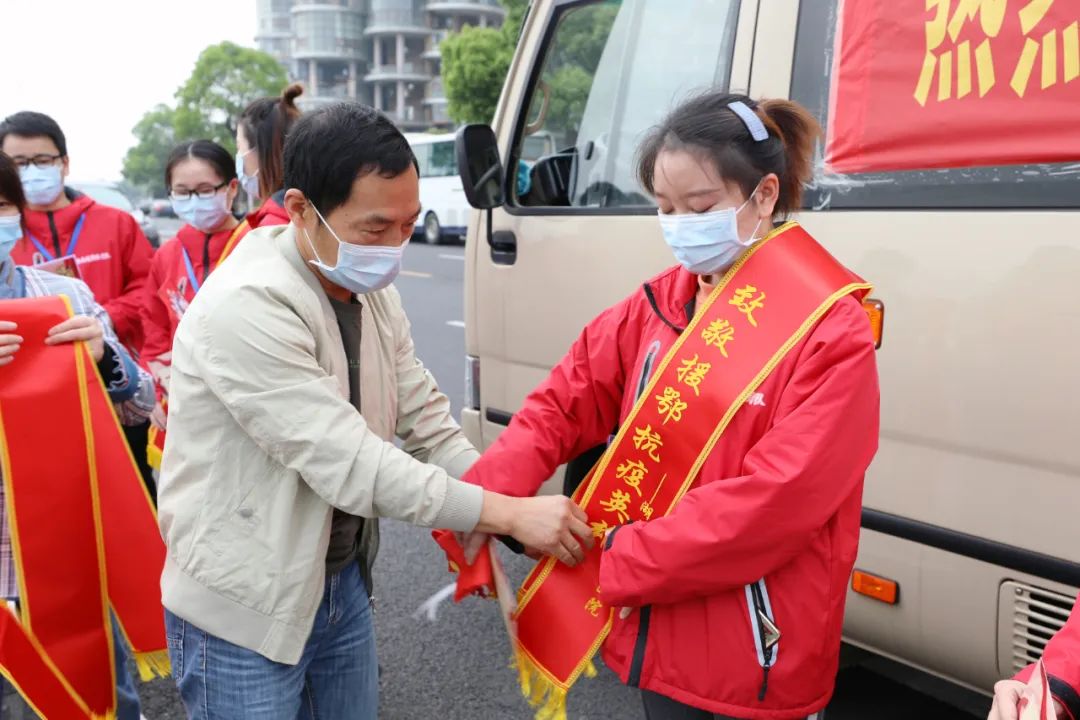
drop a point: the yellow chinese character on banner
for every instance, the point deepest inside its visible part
(745, 301)
(648, 441)
(692, 372)
(593, 607)
(646, 510)
(632, 472)
(599, 529)
(719, 334)
(671, 405)
(617, 503)
(1031, 14)
(991, 15)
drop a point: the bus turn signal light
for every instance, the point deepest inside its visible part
(875, 310)
(878, 588)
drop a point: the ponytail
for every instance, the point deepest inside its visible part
(265, 123)
(798, 131)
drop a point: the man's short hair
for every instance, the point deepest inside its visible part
(328, 149)
(33, 124)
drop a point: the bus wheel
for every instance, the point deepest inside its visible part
(432, 229)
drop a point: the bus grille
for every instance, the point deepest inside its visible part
(1037, 615)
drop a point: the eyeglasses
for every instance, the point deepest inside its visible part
(39, 161)
(204, 193)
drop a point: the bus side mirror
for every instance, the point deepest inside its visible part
(481, 170)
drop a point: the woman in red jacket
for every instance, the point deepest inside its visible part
(729, 598)
(202, 185)
(1062, 662)
(260, 148)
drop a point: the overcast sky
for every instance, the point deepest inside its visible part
(97, 65)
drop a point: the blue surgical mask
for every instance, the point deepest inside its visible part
(203, 214)
(360, 268)
(707, 243)
(42, 185)
(10, 233)
(250, 183)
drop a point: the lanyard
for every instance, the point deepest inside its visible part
(71, 244)
(195, 283)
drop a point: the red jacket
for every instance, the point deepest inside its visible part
(271, 212)
(773, 518)
(1062, 661)
(169, 288)
(112, 253)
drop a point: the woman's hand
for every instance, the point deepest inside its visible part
(1007, 694)
(80, 328)
(9, 342)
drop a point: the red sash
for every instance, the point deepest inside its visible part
(762, 307)
(75, 499)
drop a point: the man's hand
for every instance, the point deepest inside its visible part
(80, 328)
(547, 523)
(1007, 695)
(9, 342)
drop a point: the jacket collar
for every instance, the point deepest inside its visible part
(671, 295)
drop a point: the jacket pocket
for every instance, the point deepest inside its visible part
(764, 629)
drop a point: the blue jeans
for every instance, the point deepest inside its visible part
(127, 697)
(337, 676)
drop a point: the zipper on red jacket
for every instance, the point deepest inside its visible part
(766, 633)
(55, 233)
(633, 679)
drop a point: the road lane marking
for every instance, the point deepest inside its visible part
(414, 274)
(456, 323)
(453, 257)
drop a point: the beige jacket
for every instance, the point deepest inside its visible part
(263, 443)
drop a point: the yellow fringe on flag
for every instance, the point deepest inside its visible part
(153, 457)
(153, 665)
(548, 698)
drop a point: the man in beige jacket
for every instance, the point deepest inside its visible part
(293, 370)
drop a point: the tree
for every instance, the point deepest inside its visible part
(475, 62)
(226, 78)
(474, 65)
(144, 164)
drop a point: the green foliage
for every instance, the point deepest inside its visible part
(225, 79)
(474, 65)
(144, 164)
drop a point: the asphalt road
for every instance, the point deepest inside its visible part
(456, 667)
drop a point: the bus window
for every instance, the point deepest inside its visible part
(443, 162)
(611, 71)
(423, 158)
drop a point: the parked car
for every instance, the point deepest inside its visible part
(109, 194)
(161, 207)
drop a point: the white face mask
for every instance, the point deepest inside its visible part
(250, 183)
(360, 268)
(706, 243)
(42, 185)
(203, 214)
(10, 234)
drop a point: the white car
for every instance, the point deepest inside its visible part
(445, 211)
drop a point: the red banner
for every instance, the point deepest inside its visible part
(921, 84)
